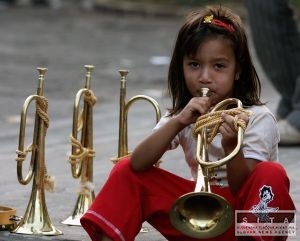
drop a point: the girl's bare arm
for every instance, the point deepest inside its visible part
(153, 147)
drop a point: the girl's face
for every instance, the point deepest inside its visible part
(213, 66)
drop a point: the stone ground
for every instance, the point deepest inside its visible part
(64, 40)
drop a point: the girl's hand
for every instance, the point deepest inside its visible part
(229, 131)
(197, 106)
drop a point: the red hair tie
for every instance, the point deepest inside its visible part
(210, 19)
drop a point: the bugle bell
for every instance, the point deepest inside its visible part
(81, 158)
(203, 214)
(36, 219)
(123, 114)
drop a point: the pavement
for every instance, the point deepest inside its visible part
(64, 40)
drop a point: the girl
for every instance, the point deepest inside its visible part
(211, 51)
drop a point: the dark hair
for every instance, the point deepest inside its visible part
(192, 34)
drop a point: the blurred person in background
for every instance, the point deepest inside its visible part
(277, 42)
(4, 4)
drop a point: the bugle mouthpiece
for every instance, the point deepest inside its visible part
(123, 73)
(41, 70)
(89, 68)
(204, 92)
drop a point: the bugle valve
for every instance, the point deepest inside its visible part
(123, 116)
(82, 152)
(203, 214)
(36, 219)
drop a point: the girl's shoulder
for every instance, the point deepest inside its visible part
(261, 111)
(163, 120)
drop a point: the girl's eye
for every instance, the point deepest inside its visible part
(194, 65)
(219, 66)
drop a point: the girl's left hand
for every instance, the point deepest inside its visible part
(229, 131)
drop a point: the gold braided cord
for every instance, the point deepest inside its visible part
(81, 154)
(49, 181)
(86, 188)
(213, 120)
(90, 97)
(41, 108)
(81, 151)
(22, 154)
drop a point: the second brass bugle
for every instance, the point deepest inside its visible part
(82, 153)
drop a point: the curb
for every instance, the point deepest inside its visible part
(126, 7)
(140, 8)
(154, 9)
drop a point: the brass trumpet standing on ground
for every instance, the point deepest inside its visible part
(81, 158)
(203, 214)
(36, 219)
(124, 108)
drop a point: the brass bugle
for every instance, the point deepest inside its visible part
(123, 115)
(36, 219)
(82, 153)
(202, 214)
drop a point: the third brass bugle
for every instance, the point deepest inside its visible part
(203, 214)
(82, 153)
(124, 108)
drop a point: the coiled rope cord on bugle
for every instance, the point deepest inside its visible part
(41, 110)
(213, 120)
(81, 152)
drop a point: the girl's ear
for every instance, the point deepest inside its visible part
(237, 74)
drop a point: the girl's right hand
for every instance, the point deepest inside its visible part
(196, 107)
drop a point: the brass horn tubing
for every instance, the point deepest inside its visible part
(41, 79)
(124, 108)
(235, 151)
(153, 102)
(28, 177)
(86, 138)
(223, 104)
(224, 160)
(202, 148)
(122, 145)
(39, 131)
(77, 169)
(88, 75)
(40, 89)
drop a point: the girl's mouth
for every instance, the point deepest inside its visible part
(204, 92)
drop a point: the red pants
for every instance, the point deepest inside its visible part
(128, 199)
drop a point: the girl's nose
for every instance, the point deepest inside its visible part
(204, 76)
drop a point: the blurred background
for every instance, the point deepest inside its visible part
(65, 35)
